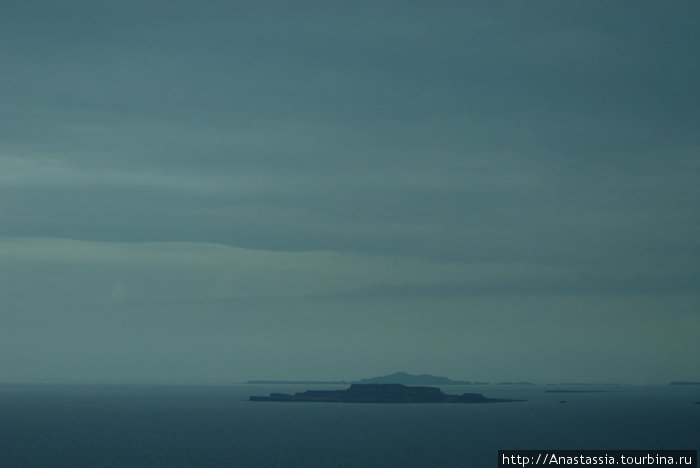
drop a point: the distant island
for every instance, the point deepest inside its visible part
(298, 382)
(579, 391)
(396, 378)
(601, 384)
(684, 383)
(380, 393)
(407, 379)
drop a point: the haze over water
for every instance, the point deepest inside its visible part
(210, 192)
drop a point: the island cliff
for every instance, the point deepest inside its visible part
(380, 393)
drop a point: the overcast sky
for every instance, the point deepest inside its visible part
(210, 192)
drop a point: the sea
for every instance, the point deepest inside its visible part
(189, 426)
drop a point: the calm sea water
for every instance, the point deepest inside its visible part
(163, 426)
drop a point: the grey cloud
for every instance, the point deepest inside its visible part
(497, 152)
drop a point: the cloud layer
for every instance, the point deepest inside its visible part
(361, 188)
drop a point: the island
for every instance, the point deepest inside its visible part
(395, 378)
(579, 391)
(380, 393)
(404, 378)
(297, 382)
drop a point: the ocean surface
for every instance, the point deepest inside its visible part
(179, 426)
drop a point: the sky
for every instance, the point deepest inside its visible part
(211, 192)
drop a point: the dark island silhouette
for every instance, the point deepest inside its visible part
(407, 379)
(395, 378)
(380, 393)
(579, 391)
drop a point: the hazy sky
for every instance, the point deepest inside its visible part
(209, 192)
